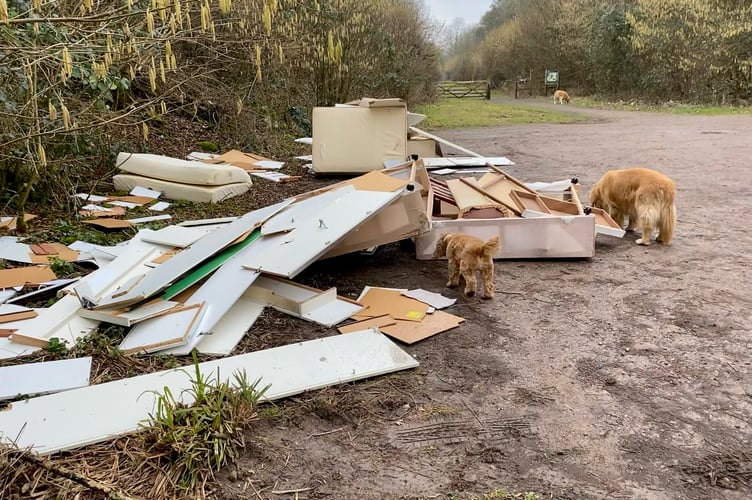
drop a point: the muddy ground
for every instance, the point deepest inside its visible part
(623, 376)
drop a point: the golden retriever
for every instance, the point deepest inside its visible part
(467, 256)
(645, 196)
(560, 96)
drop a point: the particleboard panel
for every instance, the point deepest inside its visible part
(529, 201)
(44, 378)
(410, 332)
(231, 329)
(466, 197)
(365, 324)
(12, 312)
(287, 254)
(380, 301)
(169, 330)
(604, 224)
(500, 187)
(288, 370)
(206, 247)
(521, 238)
(28, 275)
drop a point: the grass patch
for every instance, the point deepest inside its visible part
(192, 442)
(665, 107)
(463, 113)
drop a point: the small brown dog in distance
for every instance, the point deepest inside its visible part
(467, 256)
(560, 96)
(643, 195)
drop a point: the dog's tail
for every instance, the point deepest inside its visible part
(491, 247)
(441, 247)
(667, 220)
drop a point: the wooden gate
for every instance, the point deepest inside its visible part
(474, 88)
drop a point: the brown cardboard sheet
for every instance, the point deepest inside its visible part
(410, 332)
(109, 223)
(381, 301)
(29, 275)
(378, 322)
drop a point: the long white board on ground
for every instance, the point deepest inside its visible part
(287, 254)
(100, 412)
(44, 377)
(184, 261)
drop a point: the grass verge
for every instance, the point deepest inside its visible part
(665, 107)
(464, 113)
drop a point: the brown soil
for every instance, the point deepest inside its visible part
(623, 376)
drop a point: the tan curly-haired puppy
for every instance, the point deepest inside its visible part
(645, 196)
(468, 256)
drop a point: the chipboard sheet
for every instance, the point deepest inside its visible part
(287, 254)
(100, 412)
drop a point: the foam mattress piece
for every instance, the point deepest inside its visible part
(182, 171)
(179, 191)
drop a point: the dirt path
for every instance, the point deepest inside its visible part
(626, 376)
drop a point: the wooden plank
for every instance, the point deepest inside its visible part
(288, 370)
(206, 247)
(44, 378)
(287, 254)
(527, 201)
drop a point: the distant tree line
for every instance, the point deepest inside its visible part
(690, 50)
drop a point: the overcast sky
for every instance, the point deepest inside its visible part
(446, 10)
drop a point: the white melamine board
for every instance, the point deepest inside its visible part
(231, 329)
(60, 320)
(287, 254)
(131, 262)
(45, 288)
(45, 377)
(204, 248)
(323, 307)
(219, 293)
(177, 236)
(169, 330)
(151, 218)
(333, 312)
(299, 212)
(11, 249)
(130, 318)
(599, 228)
(100, 412)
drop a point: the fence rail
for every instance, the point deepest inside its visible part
(475, 88)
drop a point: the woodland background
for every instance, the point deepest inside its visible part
(81, 80)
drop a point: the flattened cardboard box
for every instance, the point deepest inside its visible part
(354, 140)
